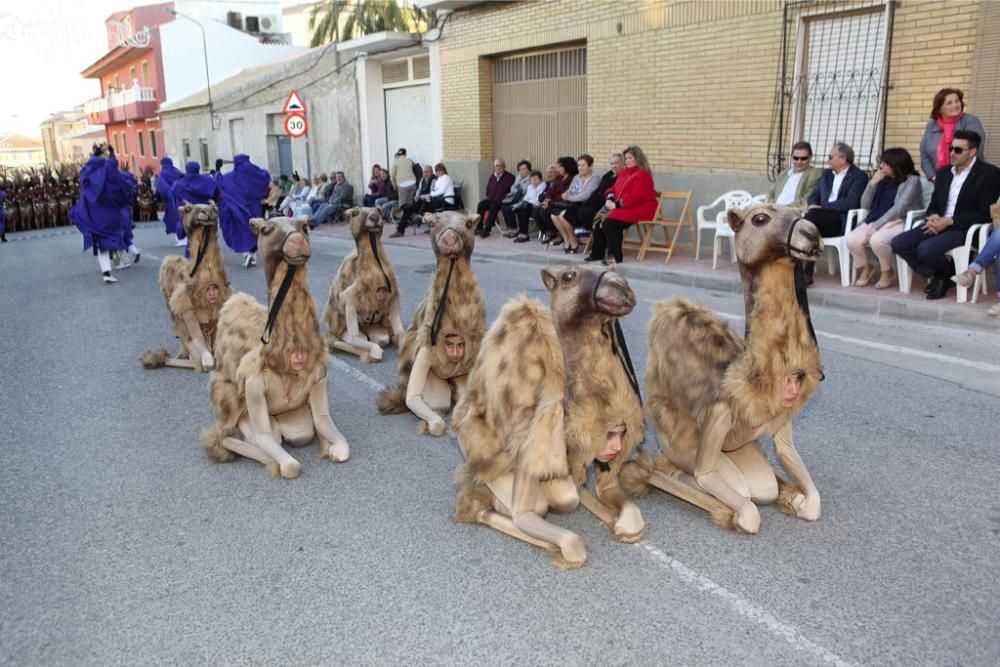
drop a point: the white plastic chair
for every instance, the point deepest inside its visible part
(980, 284)
(724, 231)
(731, 199)
(855, 217)
(961, 256)
(903, 271)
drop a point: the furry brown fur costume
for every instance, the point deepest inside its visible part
(712, 394)
(464, 312)
(243, 357)
(363, 308)
(185, 284)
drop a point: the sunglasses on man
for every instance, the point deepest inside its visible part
(958, 150)
(800, 158)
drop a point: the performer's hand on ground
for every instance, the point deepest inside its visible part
(290, 469)
(436, 427)
(806, 506)
(748, 518)
(574, 549)
(629, 522)
(339, 451)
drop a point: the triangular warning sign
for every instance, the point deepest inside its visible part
(294, 104)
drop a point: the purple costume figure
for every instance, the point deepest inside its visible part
(193, 187)
(243, 191)
(168, 176)
(104, 192)
(126, 260)
(3, 215)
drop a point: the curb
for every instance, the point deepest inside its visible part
(895, 310)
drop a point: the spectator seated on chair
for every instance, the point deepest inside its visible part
(390, 198)
(893, 191)
(793, 187)
(497, 187)
(522, 210)
(300, 202)
(321, 192)
(553, 202)
(376, 187)
(341, 199)
(630, 200)
(273, 197)
(521, 182)
(839, 190)
(987, 255)
(581, 190)
(962, 197)
(294, 187)
(422, 194)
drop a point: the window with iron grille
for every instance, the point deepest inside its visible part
(142, 144)
(186, 145)
(152, 143)
(546, 65)
(832, 80)
(203, 149)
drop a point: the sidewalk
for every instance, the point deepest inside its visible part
(684, 270)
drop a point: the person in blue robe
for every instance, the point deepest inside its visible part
(3, 215)
(131, 256)
(104, 192)
(168, 176)
(193, 187)
(243, 192)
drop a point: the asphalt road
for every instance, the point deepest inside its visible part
(120, 543)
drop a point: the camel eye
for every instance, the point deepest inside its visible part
(760, 219)
(569, 277)
(266, 229)
(304, 228)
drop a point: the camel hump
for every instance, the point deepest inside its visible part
(679, 321)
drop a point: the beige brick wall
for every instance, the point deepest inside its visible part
(691, 82)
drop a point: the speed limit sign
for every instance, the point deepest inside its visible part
(295, 125)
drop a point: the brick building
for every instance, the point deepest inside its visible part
(714, 92)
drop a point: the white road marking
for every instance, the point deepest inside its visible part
(743, 607)
(737, 602)
(359, 375)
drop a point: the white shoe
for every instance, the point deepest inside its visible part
(253, 259)
(123, 262)
(247, 260)
(134, 254)
(994, 310)
(108, 278)
(180, 243)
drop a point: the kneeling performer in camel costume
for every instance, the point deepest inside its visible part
(194, 290)
(533, 421)
(714, 395)
(270, 385)
(443, 339)
(362, 309)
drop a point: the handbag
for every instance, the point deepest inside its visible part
(601, 216)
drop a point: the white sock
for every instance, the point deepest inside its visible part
(104, 260)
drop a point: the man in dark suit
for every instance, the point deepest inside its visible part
(839, 190)
(962, 197)
(421, 195)
(497, 188)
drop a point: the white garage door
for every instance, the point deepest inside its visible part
(408, 123)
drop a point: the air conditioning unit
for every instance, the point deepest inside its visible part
(253, 25)
(234, 20)
(268, 23)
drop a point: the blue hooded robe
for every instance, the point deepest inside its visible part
(104, 192)
(193, 187)
(127, 224)
(243, 191)
(3, 212)
(168, 175)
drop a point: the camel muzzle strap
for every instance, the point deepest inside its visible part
(618, 346)
(279, 299)
(201, 251)
(442, 303)
(788, 241)
(378, 260)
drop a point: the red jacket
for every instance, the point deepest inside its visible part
(635, 196)
(557, 187)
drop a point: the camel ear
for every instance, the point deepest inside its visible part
(549, 278)
(302, 222)
(472, 221)
(256, 224)
(734, 217)
(431, 220)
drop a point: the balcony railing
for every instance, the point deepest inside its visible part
(122, 104)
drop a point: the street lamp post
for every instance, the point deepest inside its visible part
(204, 50)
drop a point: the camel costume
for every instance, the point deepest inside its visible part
(713, 395)
(270, 385)
(194, 290)
(429, 381)
(362, 310)
(543, 394)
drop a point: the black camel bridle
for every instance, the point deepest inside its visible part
(439, 313)
(374, 241)
(201, 250)
(279, 298)
(612, 329)
(801, 287)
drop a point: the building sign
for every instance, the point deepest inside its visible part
(295, 125)
(121, 33)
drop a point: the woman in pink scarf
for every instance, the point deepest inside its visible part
(947, 116)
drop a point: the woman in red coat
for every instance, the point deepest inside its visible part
(631, 199)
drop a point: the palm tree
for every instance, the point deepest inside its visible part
(363, 17)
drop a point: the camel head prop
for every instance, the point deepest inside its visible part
(198, 215)
(281, 239)
(766, 233)
(452, 233)
(364, 220)
(582, 292)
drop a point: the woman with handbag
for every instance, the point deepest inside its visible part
(584, 185)
(632, 198)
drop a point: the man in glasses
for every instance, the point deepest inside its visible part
(793, 187)
(962, 197)
(839, 190)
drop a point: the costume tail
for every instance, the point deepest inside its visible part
(392, 399)
(211, 440)
(157, 358)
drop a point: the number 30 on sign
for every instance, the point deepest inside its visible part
(295, 125)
